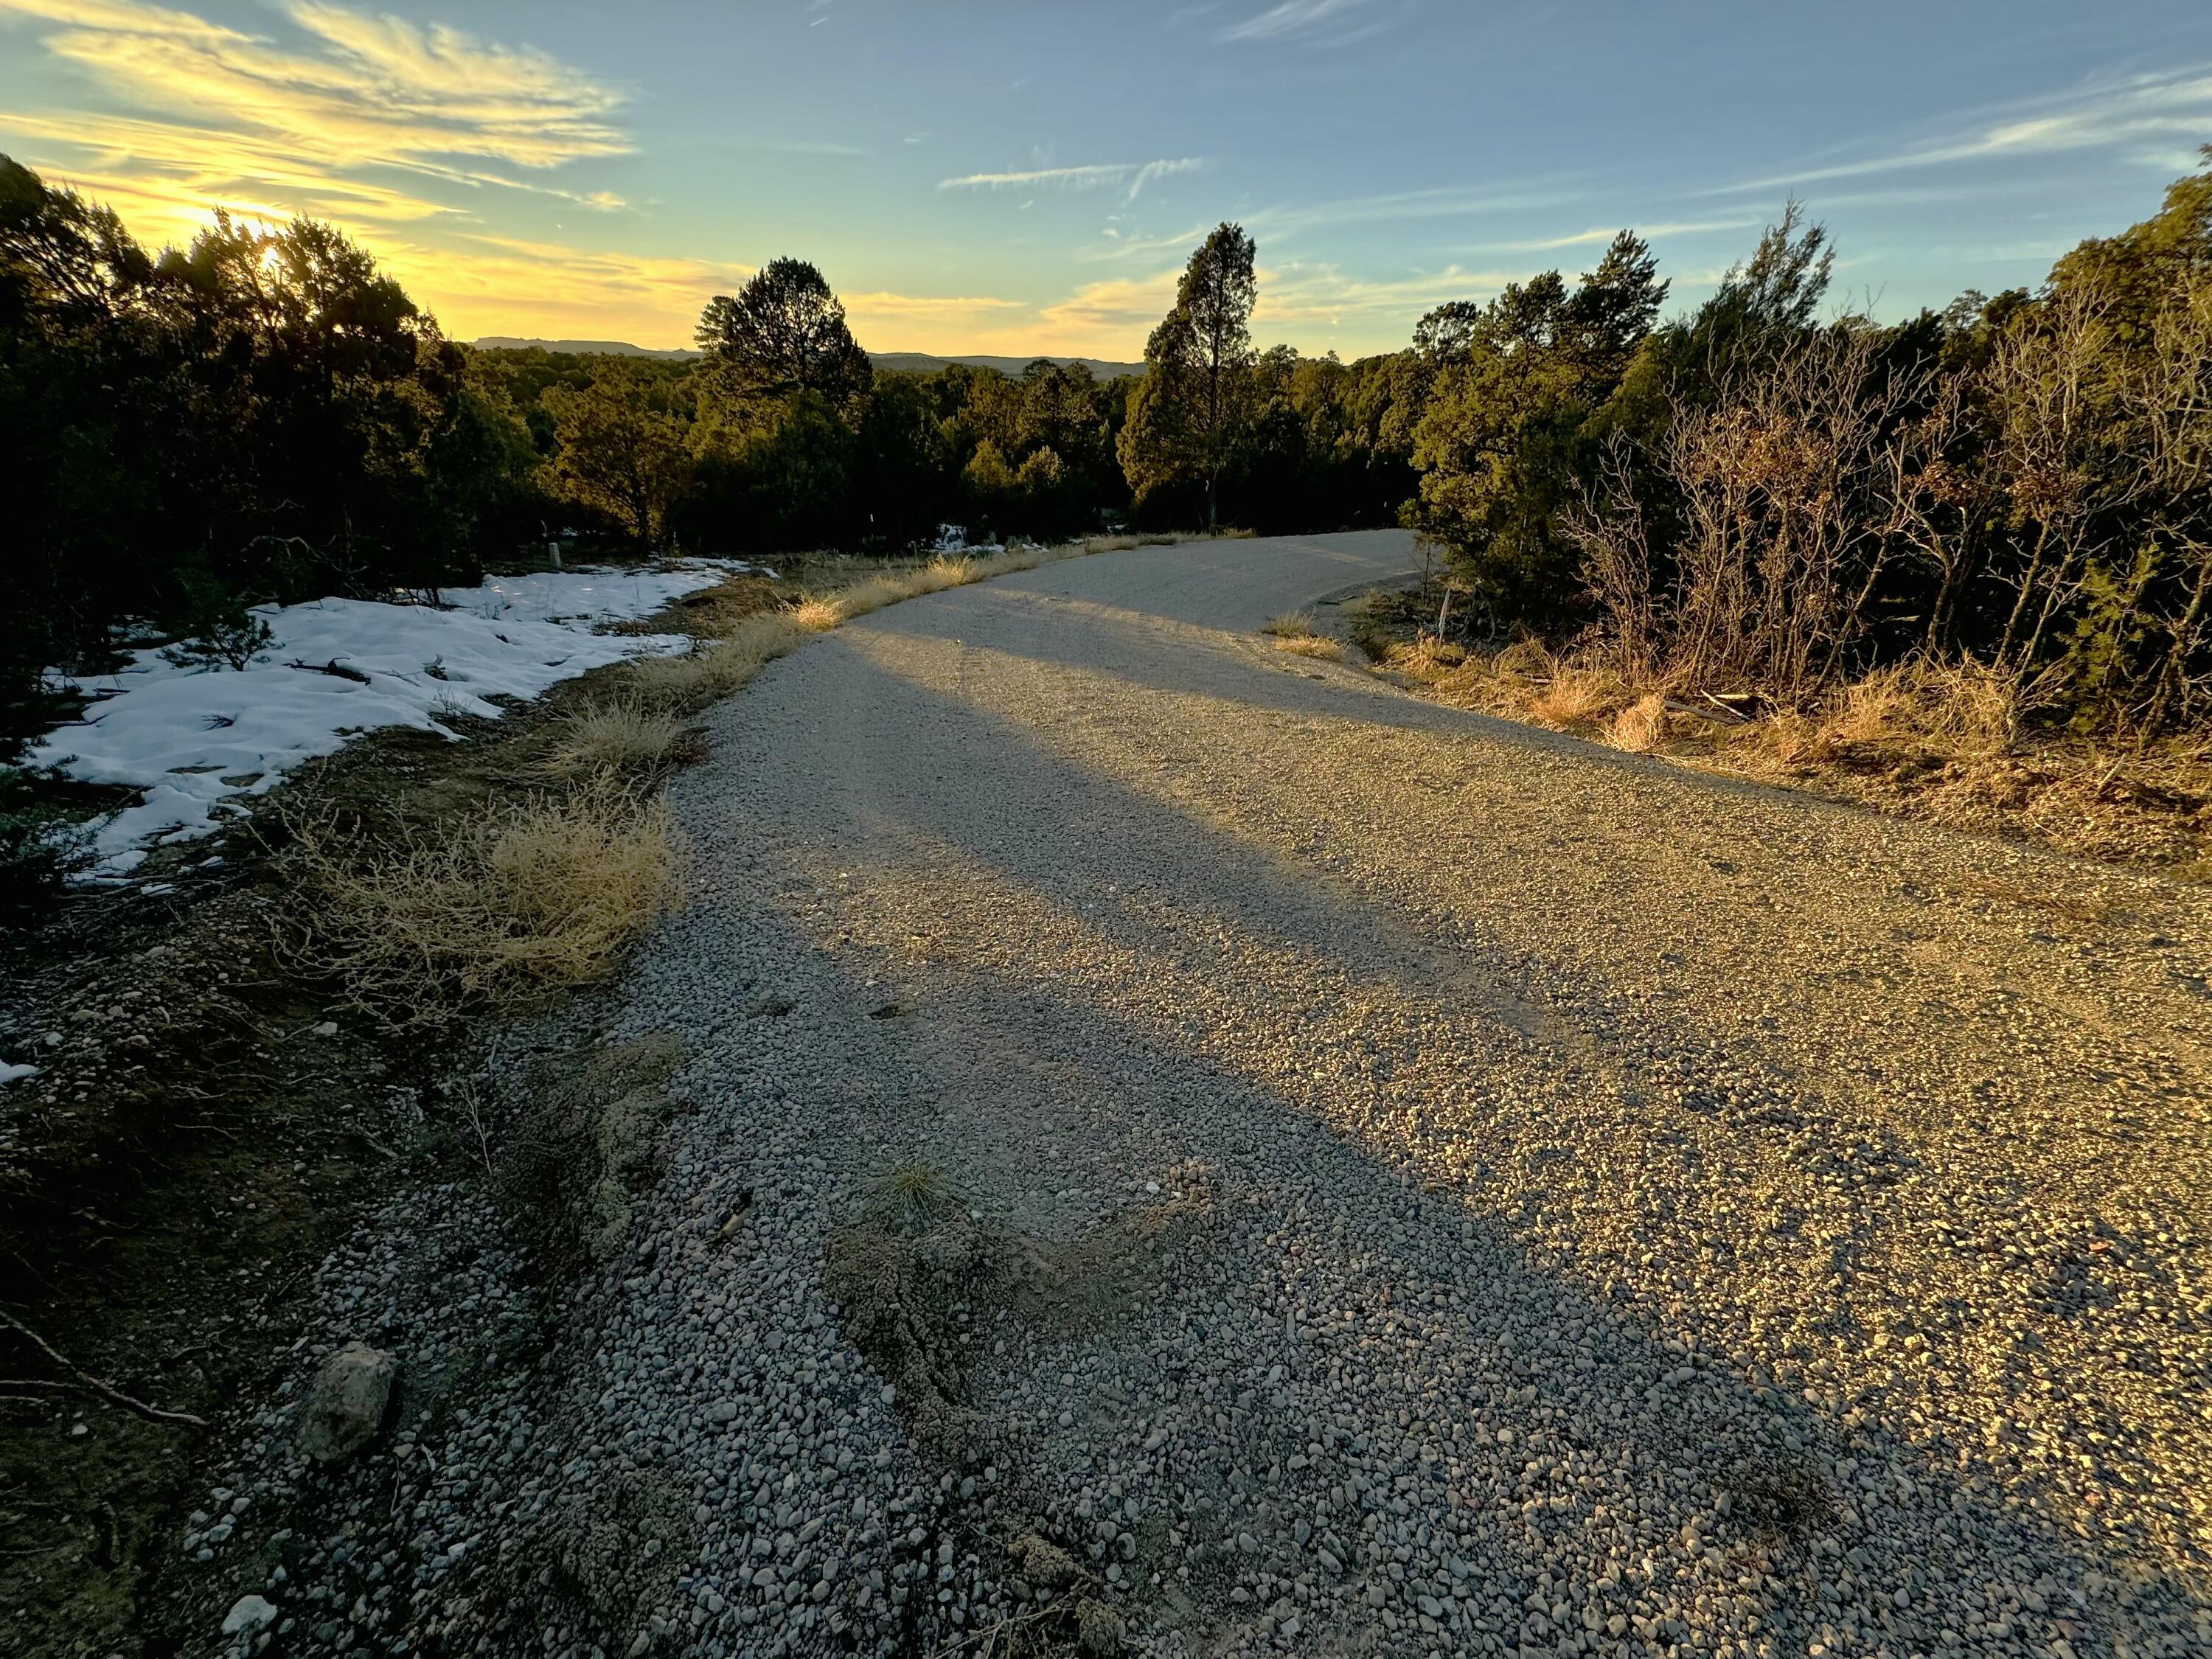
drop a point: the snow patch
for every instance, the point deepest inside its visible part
(195, 740)
(9, 1073)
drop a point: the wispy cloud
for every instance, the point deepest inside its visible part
(1292, 19)
(225, 118)
(1119, 245)
(1111, 315)
(874, 313)
(1597, 236)
(2163, 117)
(1298, 294)
(1129, 176)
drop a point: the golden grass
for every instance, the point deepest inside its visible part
(1577, 697)
(706, 672)
(624, 733)
(1640, 728)
(543, 893)
(1293, 631)
(954, 570)
(1426, 658)
(1955, 743)
(1965, 707)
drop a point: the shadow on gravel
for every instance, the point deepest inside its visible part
(1388, 1313)
(1206, 663)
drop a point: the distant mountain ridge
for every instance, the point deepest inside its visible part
(898, 362)
(922, 362)
(580, 347)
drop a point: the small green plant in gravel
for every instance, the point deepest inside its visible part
(915, 1197)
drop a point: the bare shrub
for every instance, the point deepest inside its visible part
(543, 893)
(1784, 490)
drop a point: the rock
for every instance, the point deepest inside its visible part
(346, 1402)
(249, 1616)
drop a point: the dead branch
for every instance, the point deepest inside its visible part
(86, 1382)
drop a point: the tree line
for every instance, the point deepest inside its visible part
(1758, 493)
(1760, 496)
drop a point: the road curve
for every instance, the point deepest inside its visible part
(1484, 1192)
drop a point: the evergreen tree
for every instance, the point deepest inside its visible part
(783, 334)
(1189, 409)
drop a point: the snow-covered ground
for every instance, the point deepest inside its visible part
(193, 740)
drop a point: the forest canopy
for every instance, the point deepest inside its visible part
(1759, 490)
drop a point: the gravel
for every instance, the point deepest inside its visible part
(1437, 1186)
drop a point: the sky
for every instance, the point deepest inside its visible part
(1028, 176)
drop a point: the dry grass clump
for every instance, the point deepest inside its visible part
(694, 679)
(951, 570)
(1577, 697)
(1909, 718)
(1293, 631)
(1425, 659)
(838, 607)
(913, 1197)
(820, 615)
(543, 893)
(1965, 708)
(1640, 728)
(624, 733)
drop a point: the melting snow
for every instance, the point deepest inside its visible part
(193, 740)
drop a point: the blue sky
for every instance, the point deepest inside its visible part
(995, 176)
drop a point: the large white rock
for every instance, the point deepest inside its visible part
(249, 1616)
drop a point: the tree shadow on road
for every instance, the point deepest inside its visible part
(1079, 997)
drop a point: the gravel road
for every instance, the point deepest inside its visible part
(1424, 1185)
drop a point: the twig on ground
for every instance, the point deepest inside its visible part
(87, 1382)
(992, 1632)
